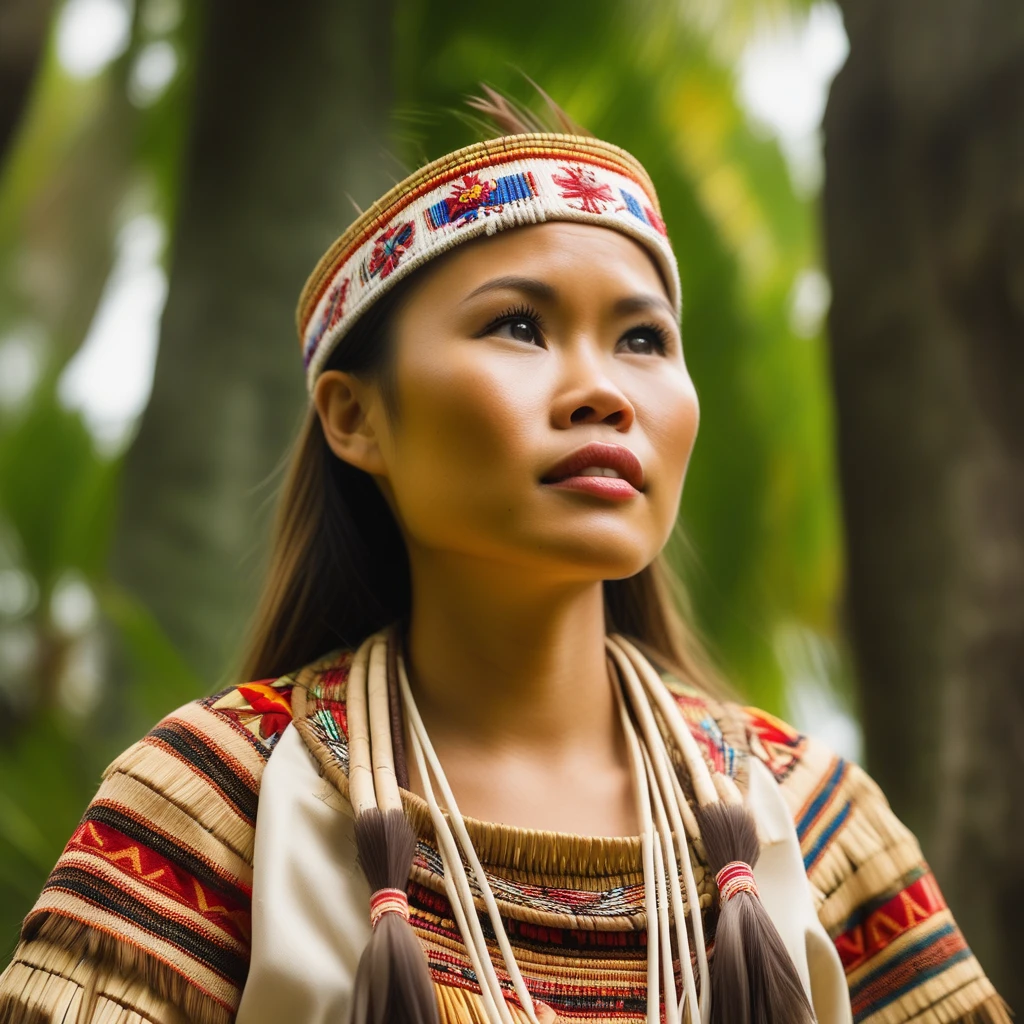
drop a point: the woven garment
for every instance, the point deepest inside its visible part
(481, 189)
(154, 888)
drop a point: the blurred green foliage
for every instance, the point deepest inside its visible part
(759, 507)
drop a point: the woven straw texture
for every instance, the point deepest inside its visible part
(146, 915)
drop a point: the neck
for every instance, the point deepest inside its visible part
(501, 659)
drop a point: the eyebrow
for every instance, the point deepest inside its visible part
(544, 292)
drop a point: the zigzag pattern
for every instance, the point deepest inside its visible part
(880, 923)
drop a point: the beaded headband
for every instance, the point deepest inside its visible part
(480, 189)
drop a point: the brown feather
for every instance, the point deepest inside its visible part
(511, 118)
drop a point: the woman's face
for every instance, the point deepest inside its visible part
(514, 351)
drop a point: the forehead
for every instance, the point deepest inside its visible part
(560, 252)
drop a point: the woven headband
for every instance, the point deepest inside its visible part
(480, 189)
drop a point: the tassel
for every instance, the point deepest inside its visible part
(392, 982)
(753, 978)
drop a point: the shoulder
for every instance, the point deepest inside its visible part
(902, 952)
(829, 797)
(207, 757)
(157, 877)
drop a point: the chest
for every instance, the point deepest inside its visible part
(573, 907)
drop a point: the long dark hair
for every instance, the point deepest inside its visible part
(339, 572)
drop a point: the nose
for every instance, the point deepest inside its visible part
(588, 392)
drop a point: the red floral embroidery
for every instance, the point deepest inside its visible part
(389, 248)
(273, 706)
(581, 183)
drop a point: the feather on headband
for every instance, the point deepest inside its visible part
(481, 189)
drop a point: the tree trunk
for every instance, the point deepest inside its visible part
(23, 25)
(291, 114)
(924, 216)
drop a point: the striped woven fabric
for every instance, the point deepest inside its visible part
(149, 905)
(904, 956)
(145, 917)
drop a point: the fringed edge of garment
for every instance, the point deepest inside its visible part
(460, 1006)
(14, 1010)
(103, 999)
(74, 958)
(992, 1011)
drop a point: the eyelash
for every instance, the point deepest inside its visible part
(527, 312)
(517, 312)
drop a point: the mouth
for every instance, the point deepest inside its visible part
(607, 470)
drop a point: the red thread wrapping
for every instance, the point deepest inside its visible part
(388, 901)
(737, 876)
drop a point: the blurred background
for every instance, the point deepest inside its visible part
(844, 187)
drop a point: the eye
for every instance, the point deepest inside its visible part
(652, 335)
(520, 329)
(521, 323)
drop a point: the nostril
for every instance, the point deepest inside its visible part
(585, 413)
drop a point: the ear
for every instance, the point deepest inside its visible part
(344, 404)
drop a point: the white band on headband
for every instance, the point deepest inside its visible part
(482, 189)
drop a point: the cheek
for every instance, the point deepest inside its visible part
(671, 420)
(463, 442)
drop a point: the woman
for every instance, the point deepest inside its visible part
(484, 772)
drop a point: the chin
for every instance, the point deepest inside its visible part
(606, 560)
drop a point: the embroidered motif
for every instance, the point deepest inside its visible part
(581, 183)
(272, 706)
(263, 708)
(656, 222)
(570, 955)
(614, 901)
(777, 744)
(475, 195)
(161, 875)
(331, 316)
(388, 251)
(823, 814)
(706, 731)
(910, 969)
(333, 721)
(641, 212)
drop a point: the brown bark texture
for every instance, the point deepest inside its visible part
(291, 117)
(924, 222)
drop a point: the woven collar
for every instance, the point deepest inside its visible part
(553, 878)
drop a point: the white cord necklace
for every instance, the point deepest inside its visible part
(666, 822)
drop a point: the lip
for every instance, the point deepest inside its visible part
(598, 454)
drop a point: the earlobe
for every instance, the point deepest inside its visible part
(342, 403)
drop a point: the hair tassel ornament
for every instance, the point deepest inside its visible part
(392, 983)
(753, 977)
